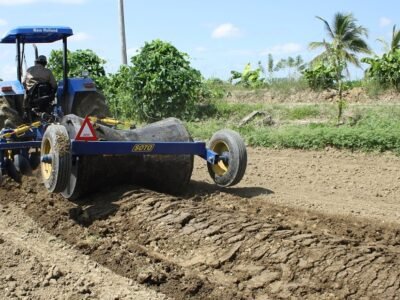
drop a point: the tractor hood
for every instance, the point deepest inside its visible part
(11, 88)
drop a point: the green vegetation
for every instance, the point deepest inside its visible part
(163, 83)
(320, 76)
(385, 70)
(119, 95)
(249, 78)
(368, 128)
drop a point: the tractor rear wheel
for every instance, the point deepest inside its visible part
(230, 171)
(55, 158)
(90, 104)
(8, 111)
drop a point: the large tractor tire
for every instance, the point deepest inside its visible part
(9, 107)
(165, 173)
(90, 104)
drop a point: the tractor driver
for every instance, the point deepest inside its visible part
(38, 74)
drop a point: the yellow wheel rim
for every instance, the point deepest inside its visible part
(46, 168)
(222, 167)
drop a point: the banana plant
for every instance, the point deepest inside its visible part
(248, 77)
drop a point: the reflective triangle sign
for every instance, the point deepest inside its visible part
(86, 132)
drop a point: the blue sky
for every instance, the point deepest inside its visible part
(218, 35)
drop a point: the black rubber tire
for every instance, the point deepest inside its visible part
(57, 144)
(34, 160)
(1, 177)
(236, 167)
(22, 164)
(12, 171)
(91, 104)
(9, 110)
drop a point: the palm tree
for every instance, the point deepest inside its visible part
(395, 43)
(346, 40)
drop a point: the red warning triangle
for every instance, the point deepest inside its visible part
(86, 132)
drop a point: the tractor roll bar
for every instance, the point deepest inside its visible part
(19, 71)
(65, 69)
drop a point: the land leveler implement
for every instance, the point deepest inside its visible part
(78, 147)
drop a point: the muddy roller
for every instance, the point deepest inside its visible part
(166, 173)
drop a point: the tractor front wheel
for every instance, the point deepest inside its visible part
(55, 158)
(230, 169)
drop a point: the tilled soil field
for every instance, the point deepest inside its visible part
(314, 225)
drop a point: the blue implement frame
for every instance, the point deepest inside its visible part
(79, 148)
(144, 148)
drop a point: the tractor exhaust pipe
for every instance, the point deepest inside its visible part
(36, 51)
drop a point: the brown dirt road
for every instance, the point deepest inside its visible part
(315, 225)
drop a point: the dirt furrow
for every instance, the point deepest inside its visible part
(37, 265)
(316, 225)
(188, 247)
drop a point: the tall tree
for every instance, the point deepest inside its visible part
(395, 42)
(345, 41)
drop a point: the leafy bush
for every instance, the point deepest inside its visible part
(79, 61)
(216, 88)
(385, 69)
(163, 83)
(118, 93)
(320, 76)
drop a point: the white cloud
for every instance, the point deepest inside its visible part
(287, 48)
(226, 30)
(79, 37)
(383, 22)
(3, 22)
(25, 2)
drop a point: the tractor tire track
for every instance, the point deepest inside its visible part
(56, 270)
(186, 247)
(247, 242)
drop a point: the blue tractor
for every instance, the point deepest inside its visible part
(74, 95)
(79, 149)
